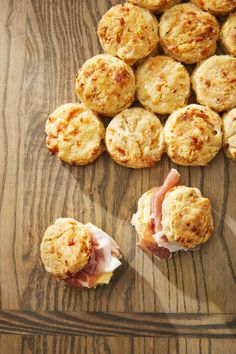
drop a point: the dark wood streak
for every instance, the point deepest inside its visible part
(125, 324)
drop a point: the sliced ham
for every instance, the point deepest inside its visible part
(149, 245)
(104, 258)
(107, 251)
(171, 181)
(155, 241)
(78, 281)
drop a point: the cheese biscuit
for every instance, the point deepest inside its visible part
(193, 135)
(155, 5)
(106, 85)
(134, 138)
(228, 35)
(75, 134)
(186, 217)
(217, 7)
(65, 247)
(214, 82)
(163, 85)
(188, 34)
(128, 32)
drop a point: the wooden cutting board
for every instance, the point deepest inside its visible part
(43, 43)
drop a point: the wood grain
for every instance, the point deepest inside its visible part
(67, 345)
(43, 43)
(118, 324)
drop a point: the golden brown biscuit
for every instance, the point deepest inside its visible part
(214, 82)
(134, 138)
(75, 134)
(193, 135)
(186, 217)
(188, 34)
(228, 35)
(106, 84)
(65, 248)
(217, 7)
(229, 129)
(163, 85)
(155, 5)
(128, 32)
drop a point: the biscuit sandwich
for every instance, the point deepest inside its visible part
(172, 218)
(83, 256)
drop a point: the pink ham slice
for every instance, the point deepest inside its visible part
(171, 181)
(104, 258)
(148, 243)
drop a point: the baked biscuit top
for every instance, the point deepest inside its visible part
(188, 34)
(163, 85)
(129, 32)
(106, 84)
(134, 138)
(75, 134)
(214, 82)
(228, 34)
(193, 135)
(155, 5)
(65, 247)
(217, 7)
(186, 217)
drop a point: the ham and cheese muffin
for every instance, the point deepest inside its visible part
(188, 34)
(134, 138)
(229, 137)
(193, 135)
(155, 5)
(75, 134)
(106, 85)
(163, 85)
(82, 255)
(128, 32)
(172, 218)
(217, 7)
(228, 35)
(214, 82)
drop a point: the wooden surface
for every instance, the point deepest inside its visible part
(98, 345)
(43, 43)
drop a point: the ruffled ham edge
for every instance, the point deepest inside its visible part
(104, 258)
